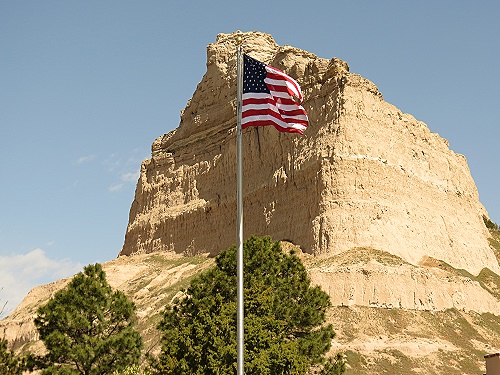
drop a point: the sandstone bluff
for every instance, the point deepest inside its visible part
(363, 175)
(386, 218)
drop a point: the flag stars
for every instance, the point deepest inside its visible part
(254, 73)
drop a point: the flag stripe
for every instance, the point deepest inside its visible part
(269, 112)
(299, 114)
(254, 99)
(274, 73)
(269, 102)
(265, 104)
(284, 86)
(268, 121)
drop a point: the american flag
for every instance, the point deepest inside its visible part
(270, 97)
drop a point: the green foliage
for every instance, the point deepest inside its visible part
(88, 328)
(334, 366)
(490, 224)
(132, 370)
(10, 364)
(494, 241)
(284, 316)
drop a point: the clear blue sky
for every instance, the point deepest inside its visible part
(86, 86)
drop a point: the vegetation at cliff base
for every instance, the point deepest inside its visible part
(10, 364)
(490, 224)
(88, 328)
(284, 318)
(132, 370)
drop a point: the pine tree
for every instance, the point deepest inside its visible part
(88, 328)
(284, 317)
(10, 364)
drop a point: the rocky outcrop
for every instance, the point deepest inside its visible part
(367, 277)
(363, 175)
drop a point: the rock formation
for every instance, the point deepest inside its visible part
(363, 175)
(385, 217)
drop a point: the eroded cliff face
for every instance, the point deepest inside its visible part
(364, 174)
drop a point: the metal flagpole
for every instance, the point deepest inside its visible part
(239, 218)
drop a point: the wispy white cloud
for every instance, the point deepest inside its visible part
(116, 187)
(116, 161)
(85, 159)
(19, 273)
(112, 162)
(126, 179)
(131, 176)
(120, 166)
(136, 156)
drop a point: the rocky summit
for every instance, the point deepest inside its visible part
(363, 175)
(385, 216)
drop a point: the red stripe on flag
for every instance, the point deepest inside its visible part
(270, 112)
(270, 100)
(272, 123)
(293, 86)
